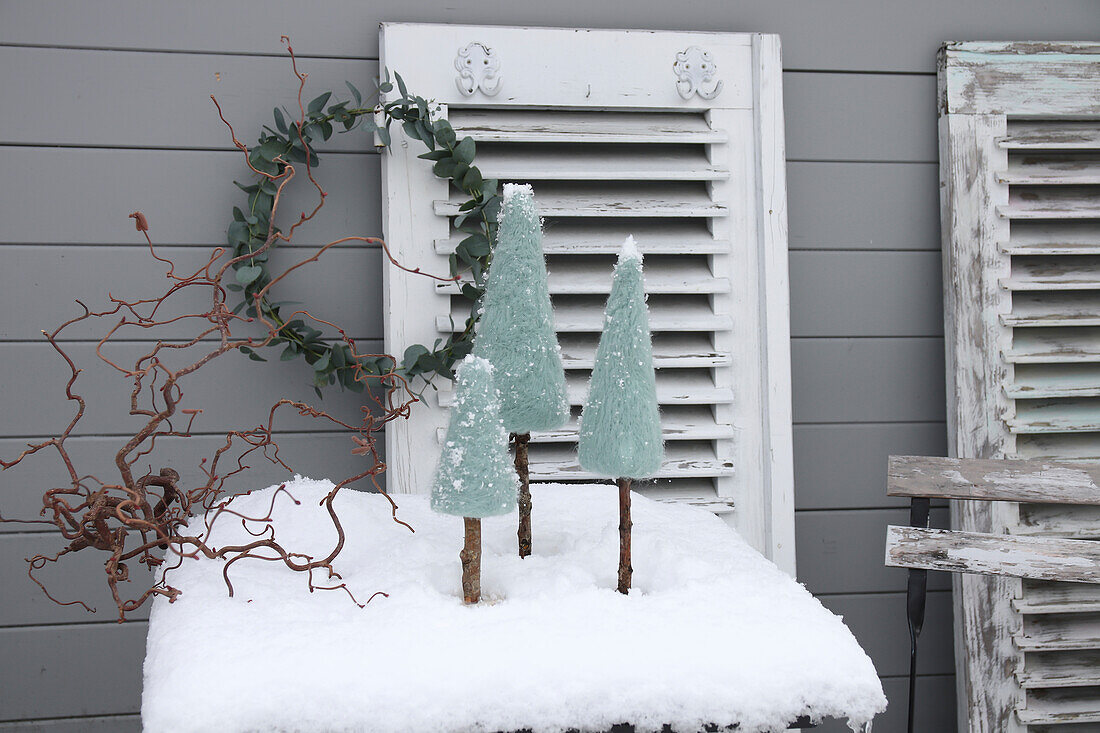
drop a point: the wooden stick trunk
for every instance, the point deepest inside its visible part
(471, 561)
(625, 570)
(524, 498)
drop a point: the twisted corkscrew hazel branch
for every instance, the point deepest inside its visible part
(148, 516)
(144, 517)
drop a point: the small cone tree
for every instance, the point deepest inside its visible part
(620, 432)
(474, 479)
(516, 334)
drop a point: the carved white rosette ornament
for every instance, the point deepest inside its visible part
(478, 68)
(695, 70)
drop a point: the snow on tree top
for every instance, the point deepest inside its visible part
(511, 189)
(630, 250)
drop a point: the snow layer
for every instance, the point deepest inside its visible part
(630, 249)
(712, 632)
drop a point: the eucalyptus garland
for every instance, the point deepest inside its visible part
(293, 140)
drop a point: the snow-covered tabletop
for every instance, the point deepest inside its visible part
(711, 633)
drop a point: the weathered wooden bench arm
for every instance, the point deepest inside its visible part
(1044, 482)
(1039, 558)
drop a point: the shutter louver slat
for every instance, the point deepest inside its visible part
(565, 126)
(592, 275)
(695, 182)
(605, 236)
(1051, 135)
(1074, 669)
(666, 313)
(1055, 202)
(632, 204)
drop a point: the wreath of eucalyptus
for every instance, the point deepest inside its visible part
(293, 139)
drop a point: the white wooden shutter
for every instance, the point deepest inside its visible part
(615, 142)
(1020, 174)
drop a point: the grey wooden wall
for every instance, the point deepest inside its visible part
(105, 112)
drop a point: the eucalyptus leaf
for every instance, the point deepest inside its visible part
(355, 93)
(248, 274)
(318, 103)
(465, 150)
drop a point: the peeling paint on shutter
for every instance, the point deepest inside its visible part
(595, 121)
(1020, 168)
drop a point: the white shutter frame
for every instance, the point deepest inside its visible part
(985, 89)
(624, 73)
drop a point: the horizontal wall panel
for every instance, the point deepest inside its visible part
(830, 117)
(71, 670)
(935, 707)
(867, 380)
(98, 724)
(826, 114)
(343, 287)
(83, 196)
(76, 577)
(863, 205)
(878, 621)
(163, 99)
(866, 294)
(232, 391)
(815, 35)
(316, 455)
(844, 466)
(843, 551)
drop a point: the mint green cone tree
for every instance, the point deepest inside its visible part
(620, 431)
(475, 478)
(516, 334)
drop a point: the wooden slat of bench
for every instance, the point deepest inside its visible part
(1039, 558)
(1039, 481)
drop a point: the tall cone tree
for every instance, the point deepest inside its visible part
(620, 432)
(516, 334)
(474, 479)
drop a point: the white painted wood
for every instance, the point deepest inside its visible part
(613, 149)
(1029, 607)
(674, 387)
(1063, 202)
(1020, 78)
(1061, 380)
(591, 276)
(564, 126)
(671, 350)
(1056, 712)
(1068, 170)
(1062, 416)
(681, 314)
(771, 216)
(677, 424)
(1039, 135)
(1054, 346)
(1075, 669)
(593, 236)
(1020, 231)
(616, 163)
(1048, 309)
(1038, 558)
(973, 337)
(1053, 237)
(691, 204)
(1056, 520)
(1054, 273)
(994, 480)
(1057, 632)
